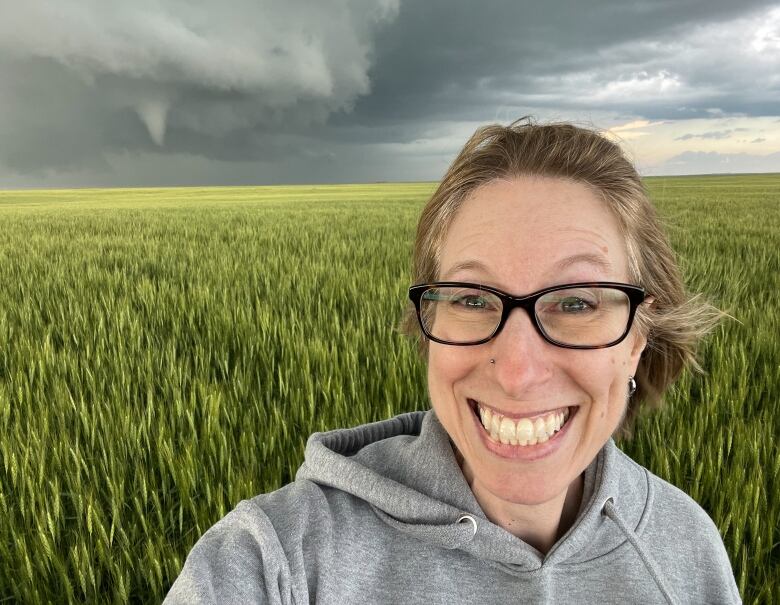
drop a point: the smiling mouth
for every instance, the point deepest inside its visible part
(526, 431)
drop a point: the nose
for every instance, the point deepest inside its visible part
(522, 357)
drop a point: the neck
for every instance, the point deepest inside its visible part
(540, 525)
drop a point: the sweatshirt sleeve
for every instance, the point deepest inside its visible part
(237, 561)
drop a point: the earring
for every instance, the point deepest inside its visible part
(492, 361)
(631, 386)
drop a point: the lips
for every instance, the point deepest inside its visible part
(499, 440)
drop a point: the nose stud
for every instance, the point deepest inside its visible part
(492, 361)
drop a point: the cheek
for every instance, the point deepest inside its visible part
(606, 380)
(445, 367)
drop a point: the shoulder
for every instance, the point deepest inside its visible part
(673, 509)
(303, 510)
(240, 559)
(684, 540)
(261, 551)
(665, 502)
(278, 522)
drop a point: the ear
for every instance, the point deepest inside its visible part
(640, 340)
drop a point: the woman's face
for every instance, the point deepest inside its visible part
(522, 235)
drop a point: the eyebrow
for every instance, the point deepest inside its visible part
(593, 259)
(596, 260)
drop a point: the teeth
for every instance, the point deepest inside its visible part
(524, 431)
(507, 432)
(495, 426)
(551, 423)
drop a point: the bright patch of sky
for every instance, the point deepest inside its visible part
(745, 144)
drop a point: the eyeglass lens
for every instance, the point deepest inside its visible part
(592, 316)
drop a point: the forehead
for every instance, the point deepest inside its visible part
(531, 232)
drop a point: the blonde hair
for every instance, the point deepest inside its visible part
(674, 322)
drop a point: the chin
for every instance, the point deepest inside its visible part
(518, 490)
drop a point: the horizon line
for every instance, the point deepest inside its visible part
(342, 184)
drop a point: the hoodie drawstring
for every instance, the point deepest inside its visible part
(610, 511)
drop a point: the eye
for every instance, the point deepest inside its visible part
(474, 300)
(574, 304)
(470, 301)
(457, 299)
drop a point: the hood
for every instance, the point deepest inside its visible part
(406, 470)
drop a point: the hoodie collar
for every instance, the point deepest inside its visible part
(406, 470)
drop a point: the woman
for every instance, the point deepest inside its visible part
(510, 489)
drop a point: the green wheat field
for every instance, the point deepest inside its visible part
(165, 353)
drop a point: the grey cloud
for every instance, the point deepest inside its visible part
(564, 54)
(50, 121)
(203, 77)
(275, 91)
(713, 134)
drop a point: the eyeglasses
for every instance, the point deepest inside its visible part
(588, 315)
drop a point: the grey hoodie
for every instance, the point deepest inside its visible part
(382, 513)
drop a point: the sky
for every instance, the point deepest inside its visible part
(244, 92)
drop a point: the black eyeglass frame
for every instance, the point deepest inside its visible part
(636, 296)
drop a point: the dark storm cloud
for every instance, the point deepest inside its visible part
(224, 80)
(642, 57)
(310, 89)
